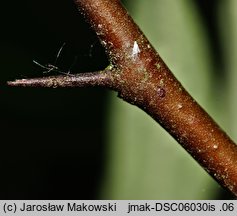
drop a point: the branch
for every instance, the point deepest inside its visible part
(142, 78)
(100, 78)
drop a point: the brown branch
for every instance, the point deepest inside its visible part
(100, 78)
(142, 78)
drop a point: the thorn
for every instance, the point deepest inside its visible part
(78, 80)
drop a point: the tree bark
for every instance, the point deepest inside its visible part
(141, 78)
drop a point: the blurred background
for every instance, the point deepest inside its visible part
(87, 143)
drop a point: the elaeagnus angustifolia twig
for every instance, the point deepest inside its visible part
(140, 77)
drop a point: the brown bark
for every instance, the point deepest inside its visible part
(141, 77)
